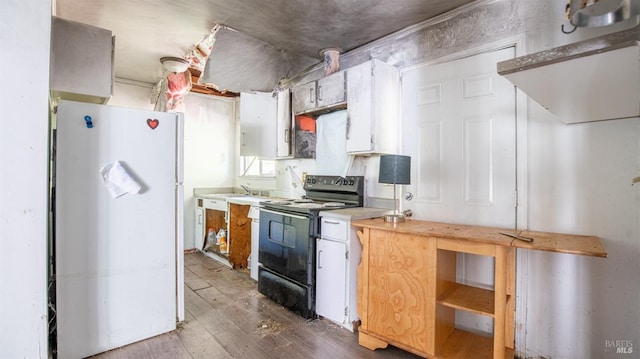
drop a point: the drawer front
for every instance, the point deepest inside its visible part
(215, 204)
(334, 228)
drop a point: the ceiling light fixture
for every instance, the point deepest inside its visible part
(174, 64)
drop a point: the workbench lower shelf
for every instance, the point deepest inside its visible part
(463, 344)
(468, 298)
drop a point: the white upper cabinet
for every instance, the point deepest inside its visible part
(284, 119)
(331, 90)
(323, 94)
(81, 62)
(258, 124)
(304, 97)
(373, 90)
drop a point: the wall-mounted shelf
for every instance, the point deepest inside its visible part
(591, 80)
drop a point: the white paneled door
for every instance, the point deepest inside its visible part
(460, 131)
(459, 123)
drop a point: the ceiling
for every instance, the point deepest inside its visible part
(146, 30)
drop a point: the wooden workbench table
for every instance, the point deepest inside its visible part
(408, 294)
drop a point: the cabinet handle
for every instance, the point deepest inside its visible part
(319, 256)
(310, 95)
(348, 128)
(331, 222)
(286, 135)
(242, 139)
(319, 94)
(200, 218)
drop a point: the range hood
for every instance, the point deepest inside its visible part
(591, 80)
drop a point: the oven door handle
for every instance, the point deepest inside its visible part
(283, 214)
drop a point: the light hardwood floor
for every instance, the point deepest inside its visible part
(226, 317)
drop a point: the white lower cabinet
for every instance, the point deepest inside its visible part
(331, 271)
(337, 258)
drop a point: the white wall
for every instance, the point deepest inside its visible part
(209, 157)
(209, 141)
(24, 44)
(580, 182)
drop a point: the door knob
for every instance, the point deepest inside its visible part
(408, 196)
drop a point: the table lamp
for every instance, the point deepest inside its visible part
(395, 169)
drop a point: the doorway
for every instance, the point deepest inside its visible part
(459, 127)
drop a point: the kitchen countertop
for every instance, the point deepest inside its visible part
(356, 213)
(237, 198)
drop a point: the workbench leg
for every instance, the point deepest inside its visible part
(370, 342)
(509, 333)
(500, 293)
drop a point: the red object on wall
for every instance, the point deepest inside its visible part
(304, 137)
(306, 123)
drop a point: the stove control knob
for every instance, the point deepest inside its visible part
(352, 182)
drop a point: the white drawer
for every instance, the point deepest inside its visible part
(214, 204)
(334, 228)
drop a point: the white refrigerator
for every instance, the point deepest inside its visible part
(118, 226)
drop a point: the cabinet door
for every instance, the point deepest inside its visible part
(284, 120)
(81, 61)
(359, 87)
(331, 272)
(304, 97)
(330, 90)
(199, 229)
(258, 124)
(239, 236)
(373, 90)
(397, 288)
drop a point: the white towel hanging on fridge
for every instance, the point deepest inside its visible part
(117, 180)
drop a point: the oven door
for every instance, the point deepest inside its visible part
(285, 245)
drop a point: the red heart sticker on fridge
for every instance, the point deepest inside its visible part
(153, 123)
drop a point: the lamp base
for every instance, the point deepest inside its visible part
(394, 218)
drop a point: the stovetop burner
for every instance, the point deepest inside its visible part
(304, 204)
(324, 192)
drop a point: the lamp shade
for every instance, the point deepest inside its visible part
(395, 169)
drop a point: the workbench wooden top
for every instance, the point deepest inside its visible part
(545, 241)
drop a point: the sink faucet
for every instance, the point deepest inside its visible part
(245, 188)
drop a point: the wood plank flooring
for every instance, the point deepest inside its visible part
(226, 317)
